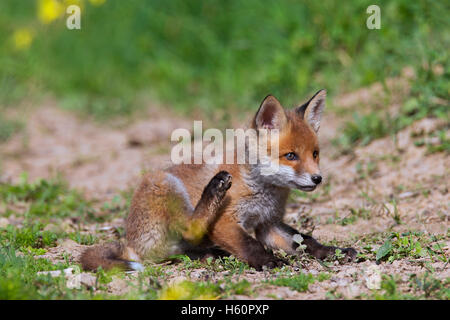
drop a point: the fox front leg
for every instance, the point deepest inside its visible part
(230, 236)
(280, 236)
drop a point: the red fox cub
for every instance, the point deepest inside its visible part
(193, 209)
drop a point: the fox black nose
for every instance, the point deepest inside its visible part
(316, 178)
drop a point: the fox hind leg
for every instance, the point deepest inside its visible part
(206, 209)
(159, 213)
(162, 216)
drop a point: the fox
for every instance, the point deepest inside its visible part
(207, 209)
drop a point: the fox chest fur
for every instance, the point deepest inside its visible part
(251, 201)
(264, 205)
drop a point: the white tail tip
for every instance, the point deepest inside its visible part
(136, 266)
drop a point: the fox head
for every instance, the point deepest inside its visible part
(298, 154)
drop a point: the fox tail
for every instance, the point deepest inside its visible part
(109, 256)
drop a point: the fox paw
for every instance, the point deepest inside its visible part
(324, 252)
(350, 254)
(268, 264)
(275, 263)
(220, 183)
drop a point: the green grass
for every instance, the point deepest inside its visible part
(299, 282)
(20, 249)
(414, 246)
(37, 204)
(349, 217)
(23, 246)
(46, 199)
(17, 275)
(390, 290)
(19, 280)
(423, 286)
(85, 239)
(216, 55)
(430, 95)
(27, 236)
(8, 128)
(442, 146)
(430, 287)
(227, 263)
(411, 245)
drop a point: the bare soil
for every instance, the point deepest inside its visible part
(102, 160)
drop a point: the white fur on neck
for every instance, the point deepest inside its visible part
(267, 204)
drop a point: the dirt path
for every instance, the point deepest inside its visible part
(99, 160)
(390, 185)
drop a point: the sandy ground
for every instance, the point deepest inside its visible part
(102, 160)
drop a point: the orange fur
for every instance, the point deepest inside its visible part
(185, 206)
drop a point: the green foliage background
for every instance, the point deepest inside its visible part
(214, 54)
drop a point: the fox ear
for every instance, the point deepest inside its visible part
(270, 115)
(312, 110)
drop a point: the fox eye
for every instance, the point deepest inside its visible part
(315, 154)
(291, 156)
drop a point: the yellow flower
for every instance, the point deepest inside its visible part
(22, 39)
(75, 2)
(186, 290)
(195, 231)
(49, 10)
(97, 2)
(177, 291)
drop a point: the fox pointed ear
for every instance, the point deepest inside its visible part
(270, 115)
(312, 110)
